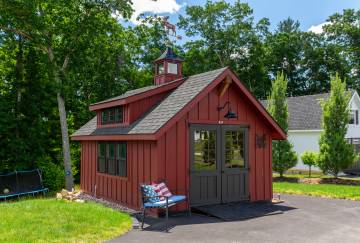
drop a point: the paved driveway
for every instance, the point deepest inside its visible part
(310, 220)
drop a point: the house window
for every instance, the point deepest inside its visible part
(354, 117)
(112, 158)
(112, 115)
(172, 68)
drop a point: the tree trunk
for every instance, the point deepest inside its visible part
(69, 180)
(309, 171)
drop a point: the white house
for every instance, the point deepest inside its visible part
(305, 117)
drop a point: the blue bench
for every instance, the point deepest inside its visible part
(21, 183)
(168, 202)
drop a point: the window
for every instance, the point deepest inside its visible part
(172, 68)
(205, 150)
(112, 158)
(112, 115)
(354, 117)
(102, 158)
(160, 68)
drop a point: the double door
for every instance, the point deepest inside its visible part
(218, 164)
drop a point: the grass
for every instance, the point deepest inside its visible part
(319, 190)
(51, 220)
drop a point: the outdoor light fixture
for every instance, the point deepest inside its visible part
(230, 114)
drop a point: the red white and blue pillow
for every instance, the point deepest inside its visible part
(150, 194)
(162, 190)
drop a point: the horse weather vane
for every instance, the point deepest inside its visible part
(170, 29)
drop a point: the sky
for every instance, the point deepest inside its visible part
(310, 13)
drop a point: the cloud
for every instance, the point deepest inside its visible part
(154, 7)
(318, 29)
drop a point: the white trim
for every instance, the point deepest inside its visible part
(306, 131)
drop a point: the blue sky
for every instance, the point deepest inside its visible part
(308, 12)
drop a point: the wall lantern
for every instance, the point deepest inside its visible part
(230, 114)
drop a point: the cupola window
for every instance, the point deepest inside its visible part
(172, 68)
(160, 68)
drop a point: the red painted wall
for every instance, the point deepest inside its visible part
(168, 157)
(138, 108)
(142, 164)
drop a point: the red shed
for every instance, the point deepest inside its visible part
(206, 134)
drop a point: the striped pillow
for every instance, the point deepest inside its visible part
(161, 189)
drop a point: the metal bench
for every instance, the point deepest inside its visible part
(162, 204)
(20, 183)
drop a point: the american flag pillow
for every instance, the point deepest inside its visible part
(162, 190)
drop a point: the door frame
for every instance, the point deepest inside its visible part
(220, 158)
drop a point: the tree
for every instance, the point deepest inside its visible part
(284, 157)
(343, 31)
(309, 158)
(59, 29)
(335, 153)
(226, 34)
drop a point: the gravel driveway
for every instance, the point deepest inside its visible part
(310, 219)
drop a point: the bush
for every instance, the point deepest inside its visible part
(309, 158)
(284, 157)
(52, 174)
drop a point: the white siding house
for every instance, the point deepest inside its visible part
(305, 115)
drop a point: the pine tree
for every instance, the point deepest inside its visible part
(335, 153)
(284, 157)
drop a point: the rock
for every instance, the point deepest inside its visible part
(79, 200)
(59, 195)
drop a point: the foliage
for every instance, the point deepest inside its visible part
(284, 157)
(319, 190)
(52, 174)
(226, 35)
(309, 158)
(51, 220)
(79, 50)
(335, 153)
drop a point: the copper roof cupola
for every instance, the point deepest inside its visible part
(168, 67)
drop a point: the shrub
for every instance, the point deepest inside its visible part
(309, 158)
(52, 174)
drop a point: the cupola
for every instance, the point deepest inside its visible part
(168, 67)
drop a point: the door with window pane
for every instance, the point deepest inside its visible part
(234, 174)
(218, 164)
(205, 176)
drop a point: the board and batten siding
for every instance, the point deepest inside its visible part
(141, 168)
(173, 145)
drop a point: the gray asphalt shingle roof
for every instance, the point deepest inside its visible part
(305, 112)
(134, 92)
(161, 113)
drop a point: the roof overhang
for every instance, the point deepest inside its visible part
(124, 137)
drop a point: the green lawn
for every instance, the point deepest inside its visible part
(51, 220)
(319, 190)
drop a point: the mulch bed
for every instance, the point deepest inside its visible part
(335, 181)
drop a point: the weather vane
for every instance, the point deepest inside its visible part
(170, 30)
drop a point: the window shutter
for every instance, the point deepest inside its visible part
(356, 117)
